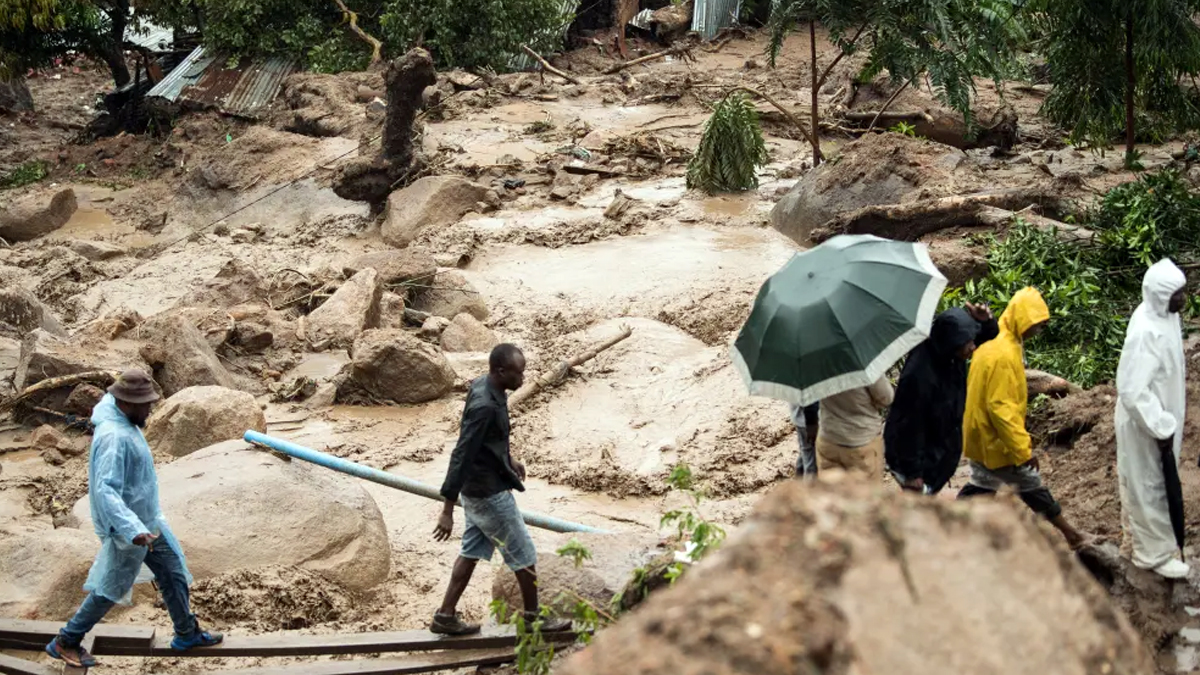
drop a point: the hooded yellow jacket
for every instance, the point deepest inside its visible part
(997, 396)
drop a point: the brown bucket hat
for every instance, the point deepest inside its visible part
(134, 386)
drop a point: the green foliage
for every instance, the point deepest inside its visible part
(904, 129)
(731, 149)
(35, 32)
(576, 551)
(950, 41)
(1084, 42)
(1092, 290)
(700, 535)
(534, 654)
(27, 173)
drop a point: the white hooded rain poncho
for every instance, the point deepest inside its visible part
(123, 490)
(1150, 406)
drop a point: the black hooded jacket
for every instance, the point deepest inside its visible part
(923, 435)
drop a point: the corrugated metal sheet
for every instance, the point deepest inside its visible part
(642, 19)
(566, 8)
(150, 36)
(204, 81)
(710, 16)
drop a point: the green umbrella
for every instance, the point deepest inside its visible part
(837, 317)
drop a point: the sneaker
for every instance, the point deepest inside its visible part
(1173, 569)
(200, 638)
(77, 657)
(452, 624)
(549, 624)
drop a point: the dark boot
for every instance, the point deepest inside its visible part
(549, 624)
(452, 624)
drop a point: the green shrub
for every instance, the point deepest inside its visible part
(731, 149)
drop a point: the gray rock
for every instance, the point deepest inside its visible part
(351, 310)
(431, 202)
(198, 417)
(180, 355)
(96, 250)
(468, 334)
(450, 296)
(33, 217)
(396, 267)
(395, 365)
(21, 312)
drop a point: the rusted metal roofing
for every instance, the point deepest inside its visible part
(203, 80)
(710, 16)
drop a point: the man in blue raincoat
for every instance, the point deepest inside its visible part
(123, 490)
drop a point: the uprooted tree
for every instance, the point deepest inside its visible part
(1120, 65)
(372, 179)
(949, 41)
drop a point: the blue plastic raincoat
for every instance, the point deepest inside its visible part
(123, 491)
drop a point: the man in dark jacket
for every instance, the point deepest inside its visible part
(923, 435)
(482, 477)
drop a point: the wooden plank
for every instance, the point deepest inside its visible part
(11, 665)
(286, 644)
(35, 635)
(416, 663)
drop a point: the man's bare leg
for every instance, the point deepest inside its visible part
(1075, 538)
(527, 580)
(460, 577)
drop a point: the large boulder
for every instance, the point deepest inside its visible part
(468, 334)
(34, 216)
(959, 260)
(15, 96)
(234, 507)
(21, 312)
(396, 267)
(180, 356)
(450, 295)
(352, 309)
(847, 577)
(198, 417)
(875, 169)
(560, 586)
(44, 355)
(42, 572)
(393, 364)
(432, 202)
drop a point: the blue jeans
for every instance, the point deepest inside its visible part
(806, 463)
(167, 567)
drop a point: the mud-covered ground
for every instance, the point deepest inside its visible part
(679, 268)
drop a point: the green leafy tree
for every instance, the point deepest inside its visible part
(1120, 65)
(34, 32)
(731, 148)
(950, 41)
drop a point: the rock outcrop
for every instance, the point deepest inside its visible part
(21, 312)
(234, 507)
(180, 355)
(198, 417)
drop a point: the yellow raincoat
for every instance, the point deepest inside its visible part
(997, 395)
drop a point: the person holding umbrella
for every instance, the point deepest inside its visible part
(923, 435)
(994, 436)
(850, 437)
(1149, 422)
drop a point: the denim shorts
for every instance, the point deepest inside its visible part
(495, 522)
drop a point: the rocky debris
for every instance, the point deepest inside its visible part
(468, 334)
(112, 325)
(272, 598)
(351, 310)
(21, 312)
(44, 356)
(83, 398)
(283, 513)
(1043, 383)
(180, 356)
(842, 577)
(198, 417)
(395, 267)
(10, 359)
(395, 365)
(391, 311)
(433, 327)
(33, 217)
(236, 283)
(1154, 605)
(959, 261)
(44, 571)
(48, 439)
(95, 250)
(876, 169)
(560, 586)
(450, 295)
(322, 105)
(431, 202)
(324, 396)
(15, 96)
(251, 338)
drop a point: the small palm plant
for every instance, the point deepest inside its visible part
(731, 149)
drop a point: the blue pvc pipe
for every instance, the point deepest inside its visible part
(393, 481)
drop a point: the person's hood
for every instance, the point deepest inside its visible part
(1162, 280)
(952, 329)
(1025, 310)
(107, 411)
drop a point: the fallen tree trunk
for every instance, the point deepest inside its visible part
(101, 378)
(910, 222)
(684, 51)
(547, 67)
(558, 373)
(995, 217)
